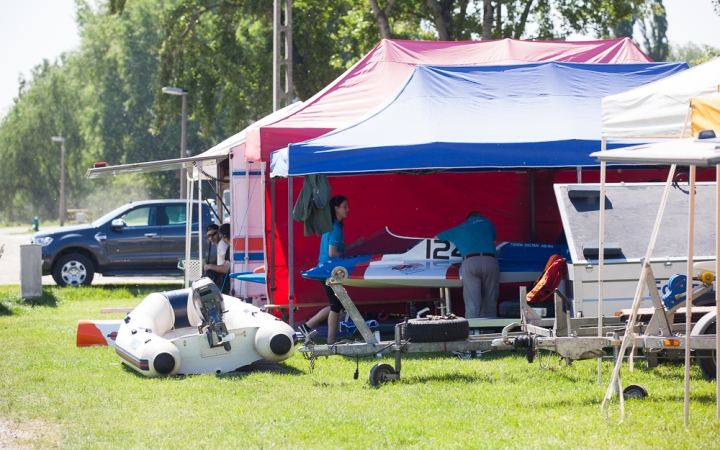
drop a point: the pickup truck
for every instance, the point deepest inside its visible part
(144, 238)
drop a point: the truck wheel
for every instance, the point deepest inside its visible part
(706, 359)
(73, 269)
(436, 330)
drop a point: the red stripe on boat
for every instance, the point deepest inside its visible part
(358, 272)
(453, 272)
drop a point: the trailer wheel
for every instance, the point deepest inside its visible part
(635, 391)
(378, 372)
(706, 359)
(511, 309)
(434, 329)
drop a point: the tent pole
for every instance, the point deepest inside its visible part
(578, 171)
(246, 224)
(688, 293)
(532, 205)
(200, 224)
(188, 227)
(263, 218)
(271, 268)
(291, 267)
(717, 291)
(601, 253)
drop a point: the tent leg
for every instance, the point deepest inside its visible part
(601, 254)
(717, 290)
(271, 267)
(688, 294)
(291, 265)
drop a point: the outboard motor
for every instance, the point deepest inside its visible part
(209, 301)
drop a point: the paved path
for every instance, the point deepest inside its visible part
(13, 238)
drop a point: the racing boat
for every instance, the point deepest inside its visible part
(389, 260)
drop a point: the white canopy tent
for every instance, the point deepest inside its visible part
(658, 110)
(654, 111)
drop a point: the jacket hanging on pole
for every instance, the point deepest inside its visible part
(312, 207)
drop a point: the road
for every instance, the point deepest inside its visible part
(13, 238)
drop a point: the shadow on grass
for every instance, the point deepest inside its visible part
(451, 378)
(241, 372)
(47, 299)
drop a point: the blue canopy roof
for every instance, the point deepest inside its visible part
(526, 116)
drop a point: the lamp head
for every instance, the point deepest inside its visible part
(58, 139)
(173, 91)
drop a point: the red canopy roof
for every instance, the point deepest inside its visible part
(372, 79)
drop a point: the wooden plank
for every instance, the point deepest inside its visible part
(115, 310)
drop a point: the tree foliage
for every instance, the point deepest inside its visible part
(105, 97)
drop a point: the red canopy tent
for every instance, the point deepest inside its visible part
(402, 202)
(372, 79)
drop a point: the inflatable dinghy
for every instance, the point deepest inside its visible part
(199, 330)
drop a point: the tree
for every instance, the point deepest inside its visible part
(488, 19)
(29, 160)
(654, 33)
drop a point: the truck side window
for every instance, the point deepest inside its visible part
(176, 214)
(140, 217)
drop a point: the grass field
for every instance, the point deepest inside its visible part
(54, 395)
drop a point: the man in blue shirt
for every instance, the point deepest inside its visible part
(475, 239)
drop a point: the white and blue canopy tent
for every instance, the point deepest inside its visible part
(471, 118)
(477, 117)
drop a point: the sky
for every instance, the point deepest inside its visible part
(33, 30)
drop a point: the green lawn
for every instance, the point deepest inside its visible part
(53, 394)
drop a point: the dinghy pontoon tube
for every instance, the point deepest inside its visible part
(199, 330)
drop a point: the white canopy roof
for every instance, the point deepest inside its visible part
(689, 151)
(217, 153)
(658, 109)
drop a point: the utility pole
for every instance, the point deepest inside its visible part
(61, 140)
(282, 54)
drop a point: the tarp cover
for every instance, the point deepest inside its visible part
(527, 116)
(658, 109)
(378, 74)
(706, 113)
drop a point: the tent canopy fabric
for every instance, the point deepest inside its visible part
(377, 75)
(527, 116)
(706, 113)
(658, 109)
(687, 151)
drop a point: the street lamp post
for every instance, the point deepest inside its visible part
(61, 140)
(183, 135)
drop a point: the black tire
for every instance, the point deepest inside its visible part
(378, 372)
(73, 269)
(706, 359)
(511, 309)
(635, 391)
(434, 329)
